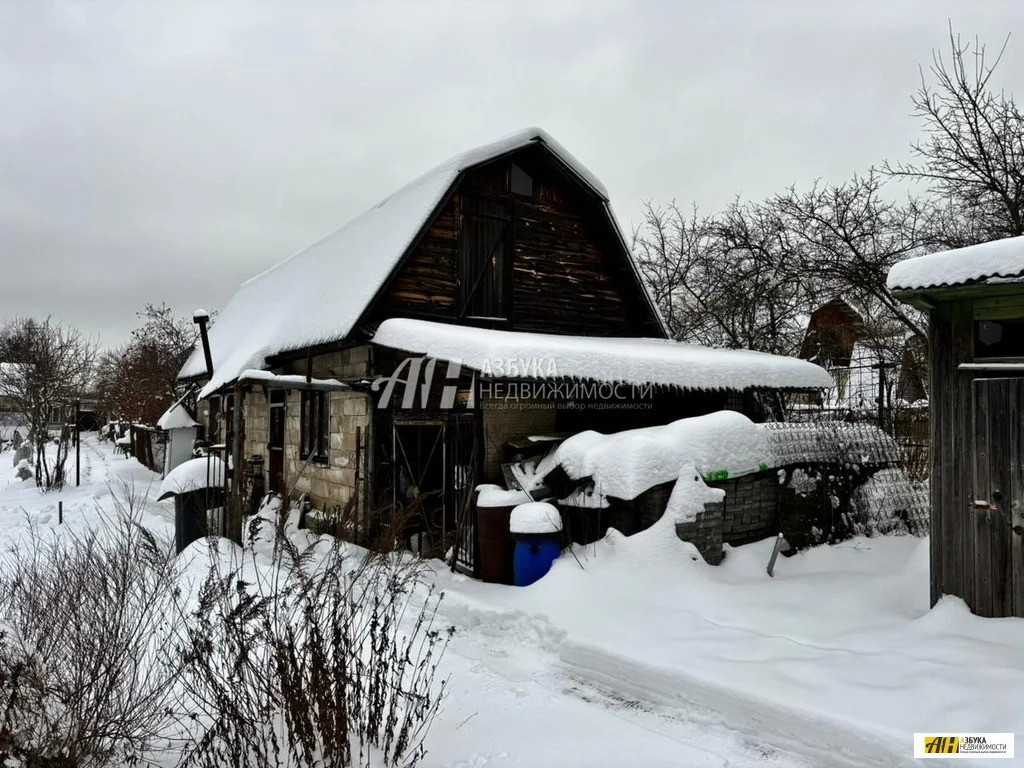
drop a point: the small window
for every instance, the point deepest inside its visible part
(314, 427)
(521, 182)
(213, 420)
(999, 338)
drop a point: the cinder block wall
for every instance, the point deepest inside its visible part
(256, 414)
(330, 486)
(751, 507)
(705, 533)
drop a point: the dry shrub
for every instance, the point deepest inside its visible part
(326, 656)
(83, 617)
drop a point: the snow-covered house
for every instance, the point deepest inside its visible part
(492, 299)
(182, 431)
(974, 298)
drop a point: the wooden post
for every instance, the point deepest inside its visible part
(235, 510)
(78, 444)
(60, 512)
(881, 396)
(355, 490)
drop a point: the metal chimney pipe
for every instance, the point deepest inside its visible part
(201, 317)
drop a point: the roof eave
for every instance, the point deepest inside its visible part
(926, 298)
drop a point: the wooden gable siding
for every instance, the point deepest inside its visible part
(832, 331)
(426, 286)
(566, 274)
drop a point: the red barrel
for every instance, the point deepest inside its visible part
(497, 548)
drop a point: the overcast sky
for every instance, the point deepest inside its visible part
(166, 152)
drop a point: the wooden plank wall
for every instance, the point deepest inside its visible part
(952, 463)
(568, 273)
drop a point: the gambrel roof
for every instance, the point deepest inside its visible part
(319, 294)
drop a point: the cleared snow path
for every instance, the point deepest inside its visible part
(513, 702)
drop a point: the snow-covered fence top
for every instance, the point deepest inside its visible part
(510, 354)
(193, 475)
(829, 442)
(987, 262)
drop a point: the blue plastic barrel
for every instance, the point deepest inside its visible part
(533, 557)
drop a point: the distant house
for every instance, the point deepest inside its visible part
(870, 362)
(88, 411)
(492, 300)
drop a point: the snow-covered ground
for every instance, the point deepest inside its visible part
(636, 654)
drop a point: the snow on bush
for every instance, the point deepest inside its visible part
(84, 621)
(889, 502)
(625, 464)
(311, 652)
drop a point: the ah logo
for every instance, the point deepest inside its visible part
(416, 375)
(945, 745)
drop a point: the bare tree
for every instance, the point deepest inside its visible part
(849, 235)
(671, 248)
(728, 281)
(47, 366)
(137, 381)
(972, 153)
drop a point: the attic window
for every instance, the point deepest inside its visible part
(521, 182)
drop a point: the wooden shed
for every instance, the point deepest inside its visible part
(974, 298)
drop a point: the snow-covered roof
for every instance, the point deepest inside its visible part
(504, 354)
(318, 294)
(985, 263)
(625, 464)
(176, 417)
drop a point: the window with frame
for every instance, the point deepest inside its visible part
(520, 182)
(999, 338)
(314, 432)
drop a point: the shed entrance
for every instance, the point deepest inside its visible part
(994, 546)
(435, 468)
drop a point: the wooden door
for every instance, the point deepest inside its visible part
(462, 459)
(484, 260)
(997, 505)
(275, 443)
